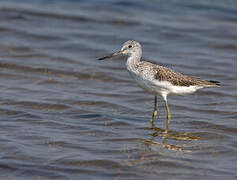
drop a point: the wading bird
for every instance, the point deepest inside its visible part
(156, 79)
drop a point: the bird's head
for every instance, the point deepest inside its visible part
(129, 47)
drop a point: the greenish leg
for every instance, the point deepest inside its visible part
(168, 115)
(155, 111)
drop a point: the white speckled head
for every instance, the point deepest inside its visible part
(129, 48)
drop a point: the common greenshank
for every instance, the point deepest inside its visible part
(157, 79)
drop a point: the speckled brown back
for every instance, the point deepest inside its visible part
(178, 79)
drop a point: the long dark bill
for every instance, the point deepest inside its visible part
(111, 55)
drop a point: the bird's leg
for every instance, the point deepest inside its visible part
(155, 111)
(168, 115)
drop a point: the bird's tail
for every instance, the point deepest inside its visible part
(215, 83)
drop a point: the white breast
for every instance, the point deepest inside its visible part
(146, 84)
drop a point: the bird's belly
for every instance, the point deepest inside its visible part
(176, 90)
(182, 90)
(147, 84)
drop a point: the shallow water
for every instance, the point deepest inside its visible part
(65, 115)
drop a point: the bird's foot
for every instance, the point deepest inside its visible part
(152, 122)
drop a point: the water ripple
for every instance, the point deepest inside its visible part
(65, 115)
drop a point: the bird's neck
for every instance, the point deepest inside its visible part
(132, 61)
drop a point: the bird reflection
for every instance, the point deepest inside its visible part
(161, 137)
(161, 142)
(166, 135)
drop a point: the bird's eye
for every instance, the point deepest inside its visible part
(129, 46)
